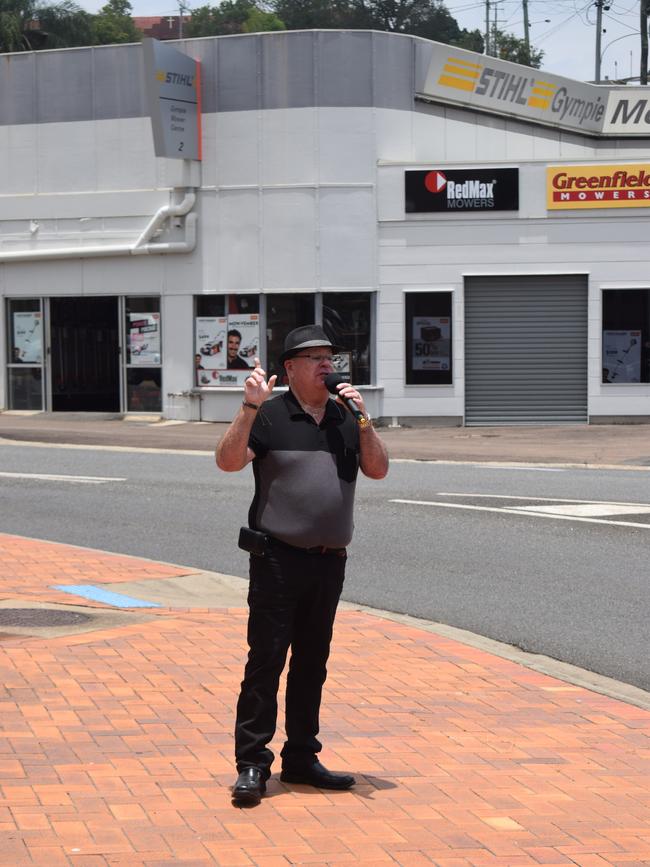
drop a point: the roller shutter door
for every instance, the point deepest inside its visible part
(525, 350)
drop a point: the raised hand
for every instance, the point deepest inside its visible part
(256, 388)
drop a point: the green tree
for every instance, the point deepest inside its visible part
(321, 14)
(259, 21)
(114, 24)
(232, 16)
(510, 47)
(472, 40)
(427, 18)
(27, 25)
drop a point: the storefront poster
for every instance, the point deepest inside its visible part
(228, 347)
(144, 338)
(242, 351)
(28, 338)
(622, 356)
(342, 362)
(248, 325)
(431, 343)
(210, 345)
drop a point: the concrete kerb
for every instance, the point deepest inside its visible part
(444, 462)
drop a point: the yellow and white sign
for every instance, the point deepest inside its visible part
(445, 74)
(600, 186)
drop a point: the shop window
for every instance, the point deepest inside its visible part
(143, 389)
(143, 354)
(283, 313)
(226, 338)
(25, 354)
(626, 336)
(347, 322)
(428, 338)
(26, 388)
(228, 335)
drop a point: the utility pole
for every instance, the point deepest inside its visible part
(182, 9)
(526, 31)
(599, 33)
(643, 71)
(487, 26)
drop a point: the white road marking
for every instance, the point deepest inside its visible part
(526, 468)
(97, 448)
(522, 513)
(75, 480)
(588, 510)
(643, 506)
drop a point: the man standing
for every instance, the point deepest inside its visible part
(306, 450)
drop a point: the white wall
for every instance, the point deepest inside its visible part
(437, 251)
(289, 200)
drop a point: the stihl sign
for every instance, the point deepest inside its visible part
(599, 186)
(498, 86)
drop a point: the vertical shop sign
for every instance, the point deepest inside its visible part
(622, 356)
(173, 87)
(431, 343)
(28, 338)
(144, 338)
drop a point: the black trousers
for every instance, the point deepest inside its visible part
(292, 602)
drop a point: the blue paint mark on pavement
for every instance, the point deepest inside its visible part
(98, 594)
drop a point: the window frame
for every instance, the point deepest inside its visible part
(601, 339)
(406, 341)
(318, 320)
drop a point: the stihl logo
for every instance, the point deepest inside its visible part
(175, 78)
(521, 90)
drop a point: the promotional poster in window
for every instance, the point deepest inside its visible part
(226, 348)
(622, 356)
(144, 338)
(28, 339)
(431, 343)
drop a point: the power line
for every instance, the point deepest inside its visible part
(557, 27)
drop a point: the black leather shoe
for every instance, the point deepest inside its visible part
(317, 775)
(249, 787)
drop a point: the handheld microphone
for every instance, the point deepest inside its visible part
(334, 379)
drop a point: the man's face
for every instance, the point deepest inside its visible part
(233, 346)
(308, 369)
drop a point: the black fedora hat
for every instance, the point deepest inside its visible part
(305, 337)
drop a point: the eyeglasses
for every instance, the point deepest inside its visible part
(317, 359)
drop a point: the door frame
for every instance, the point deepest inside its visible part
(47, 357)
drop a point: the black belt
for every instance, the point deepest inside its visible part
(317, 549)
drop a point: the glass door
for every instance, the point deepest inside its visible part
(143, 362)
(25, 353)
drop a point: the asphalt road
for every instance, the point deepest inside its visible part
(566, 579)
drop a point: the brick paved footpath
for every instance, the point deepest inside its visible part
(116, 746)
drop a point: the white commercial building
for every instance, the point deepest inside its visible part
(472, 233)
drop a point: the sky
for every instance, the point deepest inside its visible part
(568, 38)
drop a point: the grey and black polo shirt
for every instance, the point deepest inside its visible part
(305, 473)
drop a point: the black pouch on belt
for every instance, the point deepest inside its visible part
(252, 541)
